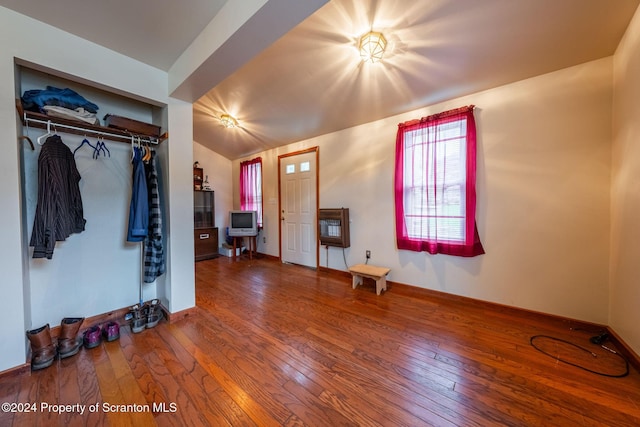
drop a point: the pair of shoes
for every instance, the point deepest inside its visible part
(92, 337)
(137, 318)
(144, 317)
(154, 313)
(111, 331)
(44, 351)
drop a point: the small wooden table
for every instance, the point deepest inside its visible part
(253, 245)
(378, 274)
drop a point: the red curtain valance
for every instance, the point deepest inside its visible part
(439, 116)
(251, 162)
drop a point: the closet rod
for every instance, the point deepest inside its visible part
(81, 130)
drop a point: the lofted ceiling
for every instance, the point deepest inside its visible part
(310, 81)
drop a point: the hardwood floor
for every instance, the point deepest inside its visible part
(273, 344)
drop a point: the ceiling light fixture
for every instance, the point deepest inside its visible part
(372, 46)
(228, 121)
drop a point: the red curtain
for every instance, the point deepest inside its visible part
(251, 187)
(435, 179)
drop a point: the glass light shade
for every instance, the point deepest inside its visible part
(228, 121)
(372, 46)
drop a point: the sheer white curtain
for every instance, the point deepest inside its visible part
(435, 184)
(251, 187)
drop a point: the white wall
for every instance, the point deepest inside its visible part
(218, 169)
(13, 307)
(624, 315)
(180, 286)
(543, 195)
(30, 42)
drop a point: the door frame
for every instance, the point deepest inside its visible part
(315, 149)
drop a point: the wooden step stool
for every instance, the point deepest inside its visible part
(379, 274)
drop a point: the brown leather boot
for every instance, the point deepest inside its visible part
(68, 342)
(43, 352)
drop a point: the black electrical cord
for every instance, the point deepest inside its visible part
(344, 257)
(604, 374)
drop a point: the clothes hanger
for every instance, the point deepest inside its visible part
(133, 148)
(26, 138)
(103, 146)
(141, 152)
(85, 141)
(147, 155)
(46, 135)
(96, 152)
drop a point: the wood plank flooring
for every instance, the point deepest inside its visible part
(272, 344)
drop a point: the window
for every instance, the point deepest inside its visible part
(251, 187)
(435, 184)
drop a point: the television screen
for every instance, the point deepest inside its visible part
(242, 220)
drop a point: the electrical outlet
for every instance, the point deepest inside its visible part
(368, 254)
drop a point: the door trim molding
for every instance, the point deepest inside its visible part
(315, 149)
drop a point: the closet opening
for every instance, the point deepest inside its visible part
(99, 270)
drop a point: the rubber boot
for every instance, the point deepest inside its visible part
(68, 342)
(43, 352)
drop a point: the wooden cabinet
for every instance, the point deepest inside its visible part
(206, 243)
(205, 232)
(333, 227)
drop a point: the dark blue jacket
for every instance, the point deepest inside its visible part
(139, 207)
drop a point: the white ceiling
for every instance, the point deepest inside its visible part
(155, 32)
(310, 81)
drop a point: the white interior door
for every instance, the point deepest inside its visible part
(298, 206)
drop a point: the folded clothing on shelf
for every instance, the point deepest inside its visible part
(36, 99)
(79, 114)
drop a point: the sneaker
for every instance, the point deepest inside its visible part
(154, 313)
(111, 331)
(138, 319)
(91, 337)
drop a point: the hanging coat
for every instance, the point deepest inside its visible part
(59, 210)
(154, 265)
(139, 206)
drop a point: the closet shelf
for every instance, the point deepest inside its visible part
(42, 121)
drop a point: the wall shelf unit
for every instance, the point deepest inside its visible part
(43, 121)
